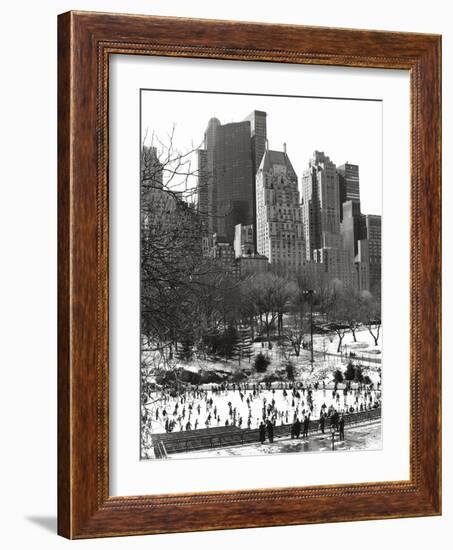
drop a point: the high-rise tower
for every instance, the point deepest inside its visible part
(233, 175)
(320, 204)
(278, 215)
(225, 177)
(209, 144)
(203, 188)
(321, 218)
(374, 234)
(258, 133)
(349, 183)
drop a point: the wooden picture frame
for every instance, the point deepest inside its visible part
(85, 42)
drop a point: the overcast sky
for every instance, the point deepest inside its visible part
(346, 130)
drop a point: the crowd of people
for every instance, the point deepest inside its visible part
(257, 406)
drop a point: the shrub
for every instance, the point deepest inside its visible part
(349, 373)
(290, 370)
(338, 376)
(222, 344)
(358, 374)
(261, 363)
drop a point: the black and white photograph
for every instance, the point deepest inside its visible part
(260, 274)
(225, 276)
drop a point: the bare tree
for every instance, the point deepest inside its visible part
(370, 313)
(298, 324)
(338, 314)
(270, 294)
(352, 309)
(174, 271)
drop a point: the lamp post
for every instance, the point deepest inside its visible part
(310, 293)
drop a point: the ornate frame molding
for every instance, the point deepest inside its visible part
(86, 40)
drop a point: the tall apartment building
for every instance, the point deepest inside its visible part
(321, 218)
(233, 176)
(227, 164)
(349, 183)
(203, 188)
(225, 177)
(278, 216)
(373, 224)
(362, 240)
(320, 205)
(352, 227)
(208, 175)
(258, 134)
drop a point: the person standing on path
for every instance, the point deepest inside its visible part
(262, 429)
(270, 431)
(296, 428)
(306, 426)
(341, 426)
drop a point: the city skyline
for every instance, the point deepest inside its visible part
(348, 131)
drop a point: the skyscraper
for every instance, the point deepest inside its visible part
(258, 133)
(278, 215)
(374, 235)
(320, 204)
(321, 219)
(209, 145)
(226, 172)
(349, 182)
(352, 227)
(233, 177)
(202, 188)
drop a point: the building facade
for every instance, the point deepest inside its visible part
(373, 224)
(337, 265)
(320, 205)
(208, 175)
(244, 240)
(349, 184)
(250, 265)
(327, 242)
(203, 188)
(233, 173)
(258, 135)
(219, 249)
(353, 227)
(278, 215)
(225, 177)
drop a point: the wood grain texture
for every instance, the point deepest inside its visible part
(86, 40)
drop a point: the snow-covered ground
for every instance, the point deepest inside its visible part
(326, 358)
(286, 407)
(364, 347)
